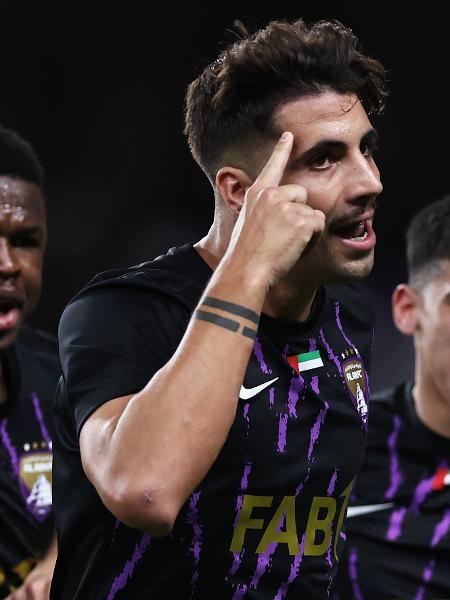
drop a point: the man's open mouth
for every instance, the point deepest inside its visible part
(356, 231)
(10, 311)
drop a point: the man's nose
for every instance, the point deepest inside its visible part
(366, 177)
(9, 266)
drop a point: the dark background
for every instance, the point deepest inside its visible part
(98, 89)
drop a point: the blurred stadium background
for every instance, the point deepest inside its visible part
(98, 89)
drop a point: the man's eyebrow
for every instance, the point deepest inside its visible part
(29, 230)
(370, 137)
(328, 145)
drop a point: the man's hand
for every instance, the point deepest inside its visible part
(275, 224)
(36, 585)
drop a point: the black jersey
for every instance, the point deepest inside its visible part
(26, 419)
(266, 521)
(398, 530)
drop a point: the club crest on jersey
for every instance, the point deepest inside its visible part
(355, 380)
(35, 471)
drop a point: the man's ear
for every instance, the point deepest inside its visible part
(232, 185)
(406, 306)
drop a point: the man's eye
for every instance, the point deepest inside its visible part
(322, 162)
(369, 149)
(25, 242)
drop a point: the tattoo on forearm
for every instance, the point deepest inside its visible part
(217, 320)
(212, 316)
(248, 332)
(234, 309)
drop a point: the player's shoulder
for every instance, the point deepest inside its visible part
(389, 399)
(349, 293)
(387, 407)
(174, 273)
(159, 293)
(351, 299)
(37, 342)
(180, 275)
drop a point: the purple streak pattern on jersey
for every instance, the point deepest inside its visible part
(396, 474)
(196, 545)
(122, 579)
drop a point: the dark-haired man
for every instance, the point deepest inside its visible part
(212, 412)
(28, 375)
(398, 531)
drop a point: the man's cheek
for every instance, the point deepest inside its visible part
(33, 284)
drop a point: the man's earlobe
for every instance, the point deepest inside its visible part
(232, 185)
(406, 304)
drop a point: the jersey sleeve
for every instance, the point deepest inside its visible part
(111, 343)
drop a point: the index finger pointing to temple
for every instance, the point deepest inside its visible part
(272, 172)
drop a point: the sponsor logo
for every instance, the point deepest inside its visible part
(247, 393)
(325, 519)
(355, 511)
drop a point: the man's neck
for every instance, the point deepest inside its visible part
(286, 299)
(432, 408)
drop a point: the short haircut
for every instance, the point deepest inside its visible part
(229, 107)
(428, 242)
(18, 159)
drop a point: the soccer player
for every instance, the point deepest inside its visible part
(212, 412)
(29, 372)
(398, 531)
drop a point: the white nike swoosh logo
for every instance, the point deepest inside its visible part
(355, 511)
(247, 393)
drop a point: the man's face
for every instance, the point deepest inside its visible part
(22, 241)
(432, 338)
(332, 158)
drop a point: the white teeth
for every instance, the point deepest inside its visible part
(360, 238)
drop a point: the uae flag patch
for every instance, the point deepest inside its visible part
(305, 362)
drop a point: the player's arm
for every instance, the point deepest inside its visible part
(146, 453)
(36, 585)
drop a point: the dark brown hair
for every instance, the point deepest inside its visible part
(230, 105)
(18, 158)
(428, 242)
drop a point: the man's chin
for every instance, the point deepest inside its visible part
(350, 270)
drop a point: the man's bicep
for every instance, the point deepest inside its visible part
(95, 438)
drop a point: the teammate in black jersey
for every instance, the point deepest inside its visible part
(213, 407)
(28, 374)
(398, 533)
